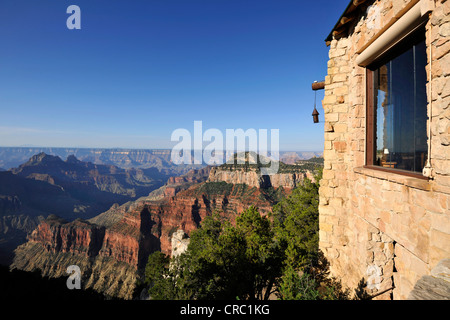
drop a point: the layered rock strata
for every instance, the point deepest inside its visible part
(112, 248)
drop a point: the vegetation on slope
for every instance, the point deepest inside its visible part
(257, 258)
(250, 161)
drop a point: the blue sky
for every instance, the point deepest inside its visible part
(138, 70)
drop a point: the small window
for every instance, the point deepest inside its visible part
(397, 107)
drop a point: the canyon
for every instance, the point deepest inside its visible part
(11, 157)
(160, 159)
(70, 189)
(112, 248)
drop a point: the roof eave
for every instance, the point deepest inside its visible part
(351, 7)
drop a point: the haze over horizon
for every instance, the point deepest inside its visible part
(123, 148)
(137, 71)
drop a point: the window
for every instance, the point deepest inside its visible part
(397, 107)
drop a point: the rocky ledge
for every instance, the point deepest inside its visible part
(252, 177)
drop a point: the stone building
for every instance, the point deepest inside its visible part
(385, 193)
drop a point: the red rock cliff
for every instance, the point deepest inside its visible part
(77, 237)
(115, 245)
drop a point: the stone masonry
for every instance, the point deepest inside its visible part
(385, 228)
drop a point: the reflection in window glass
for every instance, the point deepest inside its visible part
(401, 111)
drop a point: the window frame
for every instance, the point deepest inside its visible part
(371, 107)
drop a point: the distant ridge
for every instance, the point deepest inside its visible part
(89, 178)
(42, 158)
(71, 189)
(11, 157)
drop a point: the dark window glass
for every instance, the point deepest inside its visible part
(401, 110)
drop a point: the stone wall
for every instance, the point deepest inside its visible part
(373, 220)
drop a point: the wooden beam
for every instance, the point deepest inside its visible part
(339, 32)
(318, 85)
(358, 2)
(344, 20)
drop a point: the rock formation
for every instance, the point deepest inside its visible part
(11, 157)
(112, 248)
(249, 173)
(74, 173)
(71, 189)
(108, 257)
(180, 242)
(179, 183)
(252, 178)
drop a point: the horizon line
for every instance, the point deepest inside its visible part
(131, 148)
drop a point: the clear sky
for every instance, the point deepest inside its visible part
(138, 70)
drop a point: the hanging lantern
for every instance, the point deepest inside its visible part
(315, 115)
(316, 86)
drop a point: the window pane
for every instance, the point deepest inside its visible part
(401, 111)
